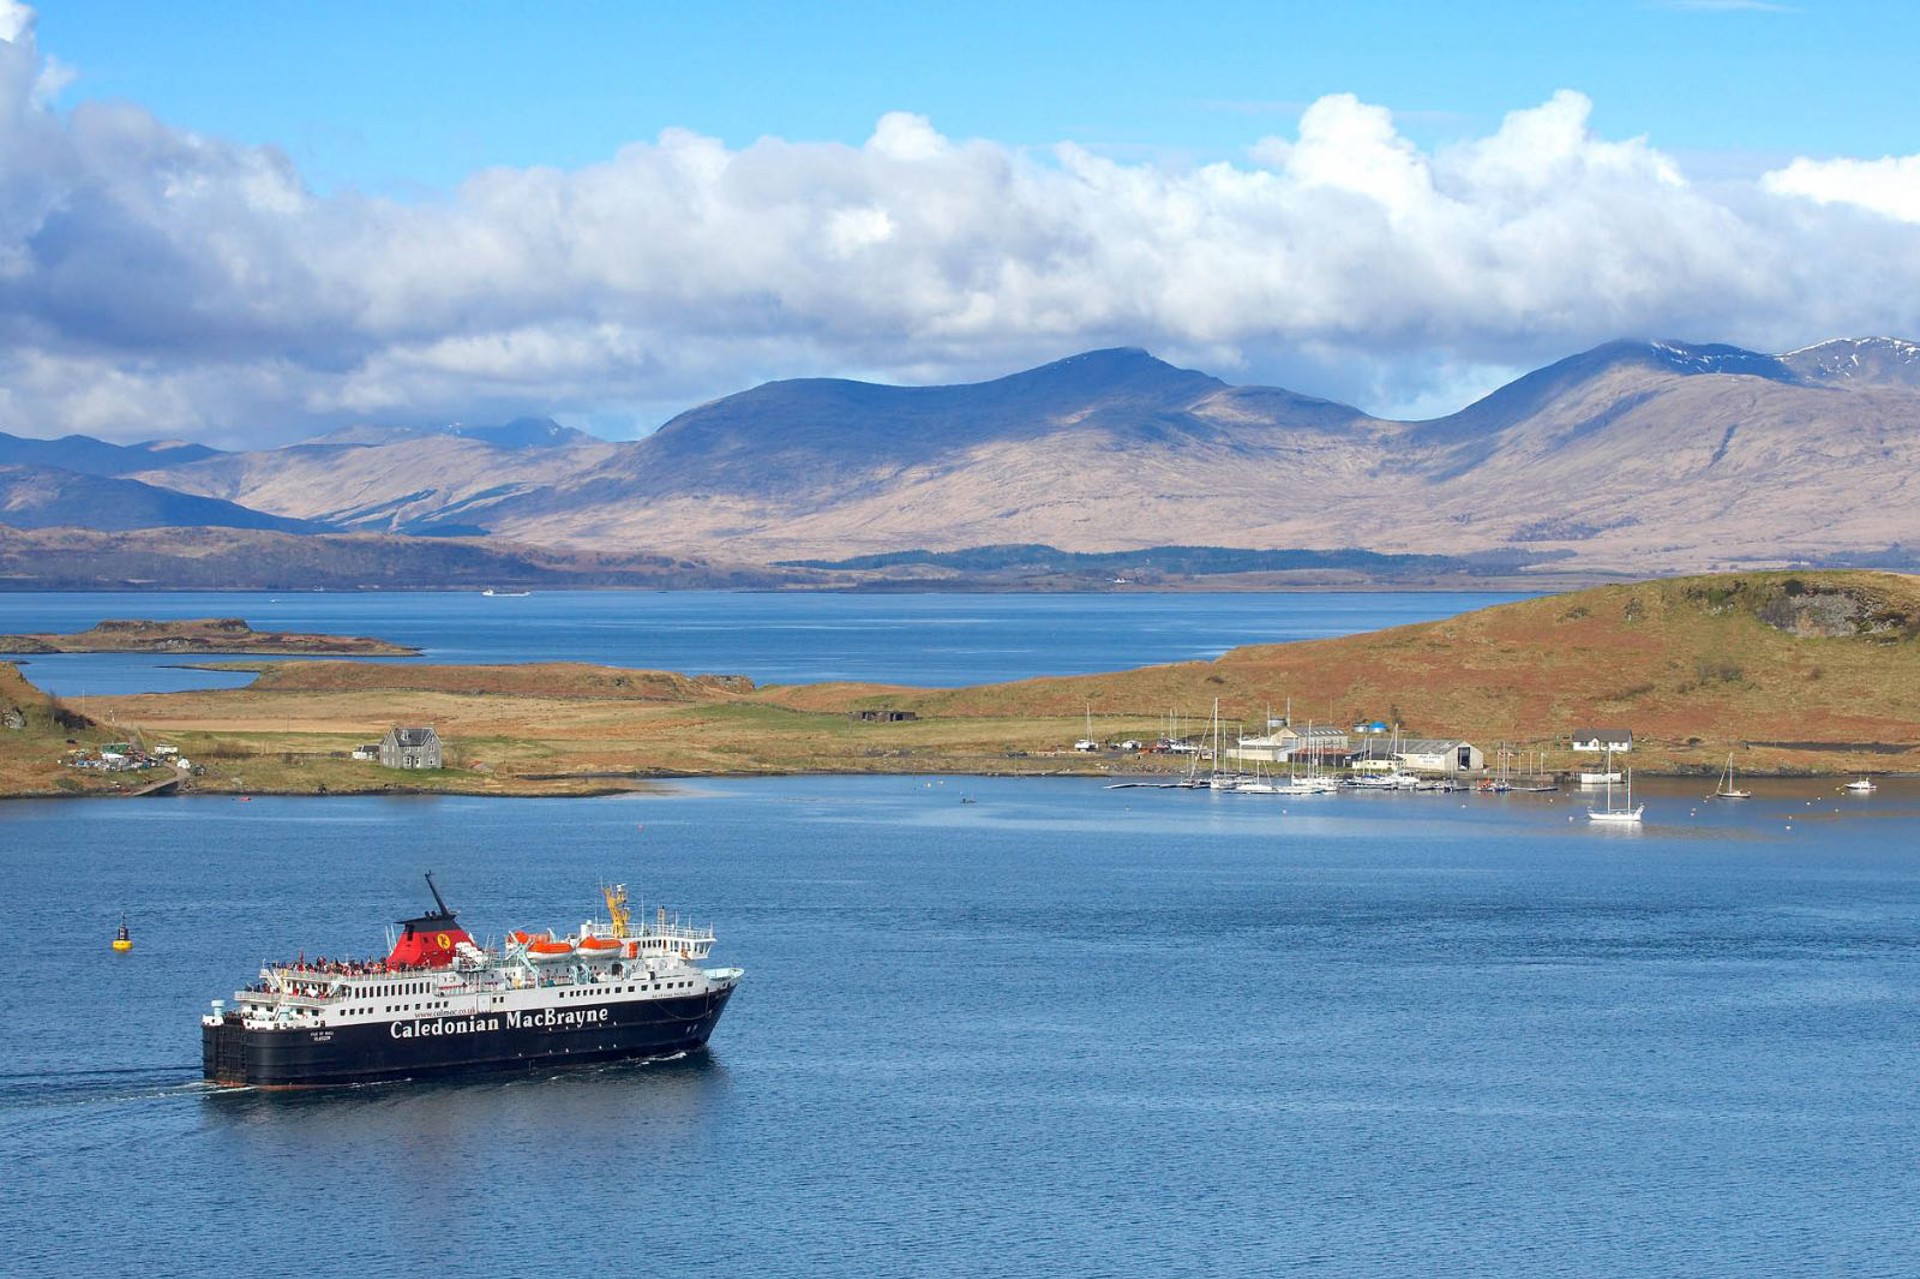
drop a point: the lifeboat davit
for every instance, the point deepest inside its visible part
(549, 952)
(599, 948)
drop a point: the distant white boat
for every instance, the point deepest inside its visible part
(1726, 788)
(1629, 815)
(1087, 743)
(1862, 786)
(491, 592)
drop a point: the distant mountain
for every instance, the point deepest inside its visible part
(89, 456)
(525, 433)
(521, 433)
(1099, 451)
(237, 559)
(47, 497)
(1637, 456)
(1858, 362)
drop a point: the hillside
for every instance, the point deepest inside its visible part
(395, 481)
(1806, 671)
(34, 497)
(35, 732)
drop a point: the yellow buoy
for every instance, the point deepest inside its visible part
(122, 942)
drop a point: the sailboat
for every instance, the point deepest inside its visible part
(1313, 783)
(1087, 743)
(1726, 789)
(1220, 780)
(1629, 814)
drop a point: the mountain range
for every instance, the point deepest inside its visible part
(1634, 457)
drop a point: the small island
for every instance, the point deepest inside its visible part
(201, 635)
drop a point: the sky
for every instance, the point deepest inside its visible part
(247, 224)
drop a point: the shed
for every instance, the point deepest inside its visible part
(882, 715)
(1438, 755)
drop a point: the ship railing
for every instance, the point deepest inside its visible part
(677, 932)
(278, 998)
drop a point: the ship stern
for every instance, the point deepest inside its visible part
(223, 1051)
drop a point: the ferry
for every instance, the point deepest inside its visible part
(441, 1004)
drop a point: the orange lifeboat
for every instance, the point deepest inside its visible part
(549, 952)
(521, 938)
(600, 948)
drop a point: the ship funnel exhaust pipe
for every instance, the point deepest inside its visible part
(437, 900)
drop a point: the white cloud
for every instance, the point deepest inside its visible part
(1890, 186)
(16, 21)
(154, 282)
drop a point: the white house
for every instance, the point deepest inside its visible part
(1597, 740)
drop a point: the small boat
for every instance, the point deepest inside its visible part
(123, 940)
(1861, 786)
(1726, 789)
(549, 952)
(1630, 815)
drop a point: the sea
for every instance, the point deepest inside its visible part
(925, 640)
(1006, 1027)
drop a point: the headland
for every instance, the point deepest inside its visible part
(1802, 673)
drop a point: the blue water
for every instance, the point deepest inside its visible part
(923, 640)
(1059, 1030)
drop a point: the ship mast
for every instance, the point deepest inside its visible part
(616, 896)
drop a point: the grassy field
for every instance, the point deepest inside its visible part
(1793, 673)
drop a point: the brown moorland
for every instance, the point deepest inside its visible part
(1813, 672)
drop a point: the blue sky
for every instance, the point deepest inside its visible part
(392, 97)
(253, 222)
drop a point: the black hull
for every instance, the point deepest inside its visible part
(455, 1045)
